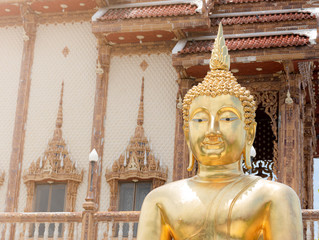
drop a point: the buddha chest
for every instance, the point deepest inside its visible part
(217, 210)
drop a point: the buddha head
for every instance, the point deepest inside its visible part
(219, 114)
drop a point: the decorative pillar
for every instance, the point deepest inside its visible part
(181, 155)
(15, 169)
(89, 228)
(291, 157)
(97, 139)
(88, 225)
(29, 34)
(306, 71)
(309, 146)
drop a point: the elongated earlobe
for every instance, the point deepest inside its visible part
(191, 161)
(246, 154)
(249, 145)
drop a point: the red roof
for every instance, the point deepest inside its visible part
(150, 11)
(290, 40)
(293, 16)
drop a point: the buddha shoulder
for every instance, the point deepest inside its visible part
(167, 192)
(275, 190)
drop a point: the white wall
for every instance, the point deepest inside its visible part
(11, 49)
(122, 108)
(50, 68)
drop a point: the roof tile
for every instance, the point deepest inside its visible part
(150, 11)
(290, 40)
(293, 16)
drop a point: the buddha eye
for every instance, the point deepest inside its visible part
(229, 119)
(199, 120)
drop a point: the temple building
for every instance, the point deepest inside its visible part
(110, 75)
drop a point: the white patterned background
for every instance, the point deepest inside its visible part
(11, 49)
(77, 70)
(122, 108)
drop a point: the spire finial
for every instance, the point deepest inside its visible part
(140, 117)
(59, 119)
(220, 59)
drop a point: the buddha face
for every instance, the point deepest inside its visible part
(216, 133)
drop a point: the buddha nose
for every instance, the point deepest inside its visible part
(214, 126)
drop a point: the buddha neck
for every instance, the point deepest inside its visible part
(219, 173)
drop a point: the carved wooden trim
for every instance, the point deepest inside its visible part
(50, 18)
(99, 115)
(21, 114)
(144, 48)
(309, 134)
(255, 85)
(291, 143)
(181, 152)
(269, 100)
(66, 17)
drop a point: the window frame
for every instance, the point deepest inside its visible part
(134, 192)
(50, 194)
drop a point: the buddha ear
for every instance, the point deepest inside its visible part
(250, 137)
(186, 134)
(251, 134)
(191, 156)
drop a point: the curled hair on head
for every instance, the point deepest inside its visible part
(216, 83)
(220, 81)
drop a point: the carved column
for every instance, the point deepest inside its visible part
(29, 34)
(97, 139)
(29, 25)
(91, 205)
(306, 71)
(88, 226)
(309, 145)
(291, 155)
(181, 154)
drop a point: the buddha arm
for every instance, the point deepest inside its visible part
(152, 224)
(285, 220)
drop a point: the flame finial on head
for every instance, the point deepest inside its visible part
(220, 59)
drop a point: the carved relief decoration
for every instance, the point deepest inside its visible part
(309, 143)
(305, 69)
(54, 166)
(269, 101)
(137, 163)
(144, 48)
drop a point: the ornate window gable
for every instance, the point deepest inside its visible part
(55, 166)
(137, 163)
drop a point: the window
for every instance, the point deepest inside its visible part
(131, 197)
(50, 198)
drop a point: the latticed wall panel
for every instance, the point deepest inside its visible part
(11, 49)
(63, 52)
(122, 108)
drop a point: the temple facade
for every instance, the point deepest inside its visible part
(110, 75)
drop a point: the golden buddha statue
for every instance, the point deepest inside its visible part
(220, 202)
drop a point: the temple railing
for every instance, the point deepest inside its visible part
(111, 225)
(117, 225)
(40, 225)
(310, 218)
